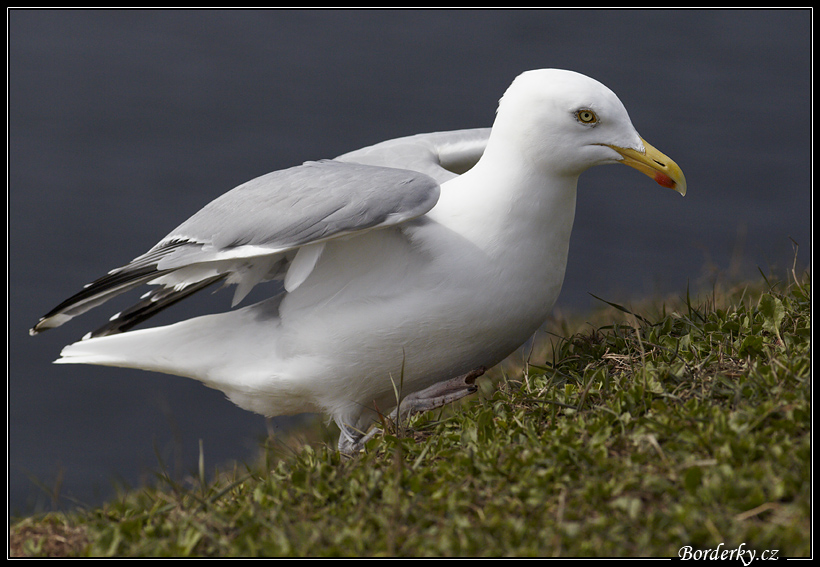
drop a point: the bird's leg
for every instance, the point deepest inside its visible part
(439, 395)
(350, 441)
(436, 396)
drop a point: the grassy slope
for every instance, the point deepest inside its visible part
(678, 425)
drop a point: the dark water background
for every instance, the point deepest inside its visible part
(123, 123)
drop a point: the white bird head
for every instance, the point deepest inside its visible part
(563, 121)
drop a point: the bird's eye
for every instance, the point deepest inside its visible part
(586, 116)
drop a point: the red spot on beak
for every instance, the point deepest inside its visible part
(664, 180)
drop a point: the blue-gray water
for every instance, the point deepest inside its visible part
(123, 123)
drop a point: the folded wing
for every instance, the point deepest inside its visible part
(274, 227)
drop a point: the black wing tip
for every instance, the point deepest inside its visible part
(119, 280)
(148, 307)
(92, 294)
(50, 321)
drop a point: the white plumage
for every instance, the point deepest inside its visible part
(416, 260)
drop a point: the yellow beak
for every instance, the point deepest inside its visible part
(656, 165)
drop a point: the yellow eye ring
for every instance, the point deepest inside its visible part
(586, 116)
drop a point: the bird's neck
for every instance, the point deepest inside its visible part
(504, 203)
(510, 226)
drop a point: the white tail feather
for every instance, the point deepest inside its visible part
(136, 349)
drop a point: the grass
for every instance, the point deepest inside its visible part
(660, 427)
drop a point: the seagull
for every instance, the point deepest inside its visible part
(402, 271)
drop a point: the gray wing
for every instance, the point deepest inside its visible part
(273, 227)
(441, 155)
